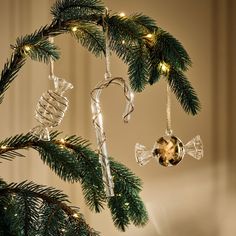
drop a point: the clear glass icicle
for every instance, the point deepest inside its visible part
(98, 119)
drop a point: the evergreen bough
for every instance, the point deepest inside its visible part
(30, 209)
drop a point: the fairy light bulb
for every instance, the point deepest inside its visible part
(122, 14)
(75, 215)
(123, 41)
(62, 141)
(3, 147)
(27, 48)
(164, 67)
(74, 28)
(149, 36)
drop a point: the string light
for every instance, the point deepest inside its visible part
(27, 48)
(3, 147)
(148, 36)
(164, 67)
(63, 230)
(122, 14)
(75, 215)
(62, 141)
(123, 41)
(74, 28)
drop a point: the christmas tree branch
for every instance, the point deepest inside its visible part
(27, 201)
(72, 160)
(64, 10)
(9, 72)
(135, 39)
(183, 91)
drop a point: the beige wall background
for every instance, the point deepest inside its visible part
(194, 198)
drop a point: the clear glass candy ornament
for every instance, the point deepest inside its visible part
(51, 108)
(169, 150)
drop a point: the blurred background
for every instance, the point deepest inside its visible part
(194, 198)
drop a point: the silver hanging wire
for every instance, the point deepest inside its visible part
(107, 49)
(51, 62)
(168, 111)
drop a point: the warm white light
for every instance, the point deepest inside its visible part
(63, 230)
(62, 141)
(122, 14)
(74, 28)
(27, 48)
(123, 41)
(75, 215)
(148, 36)
(164, 67)
(3, 147)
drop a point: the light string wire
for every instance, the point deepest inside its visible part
(97, 114)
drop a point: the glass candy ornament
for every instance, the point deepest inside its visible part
(169, 151)
(51, 108)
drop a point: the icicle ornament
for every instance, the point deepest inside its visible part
(98, 125)
(51, 106)
(169, 150)
(98, 119)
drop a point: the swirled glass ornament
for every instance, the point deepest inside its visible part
(51, 108)
(169, 151)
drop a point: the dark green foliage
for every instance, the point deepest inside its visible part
(127, 38)
(183, 91)
(123, 28)
(90, 37)
(168, 49)
(64, 10)
(155, 72)
(139, 69)
(73, 160)
(126, 206)
(30, 209)
(37, 47)
(148, 24)
(9, 72)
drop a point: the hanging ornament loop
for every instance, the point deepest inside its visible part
(107, 48)
(168, 111)
(97, 114)
(51, 62)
